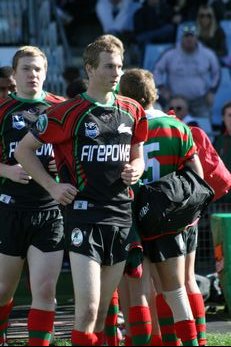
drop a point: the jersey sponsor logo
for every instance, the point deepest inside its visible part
(104, 153)
(76, 237)
(44, 150)
(122, 129)
(42, 123)
(18, 122)
(91, 130)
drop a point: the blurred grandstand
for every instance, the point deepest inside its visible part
(35, 22)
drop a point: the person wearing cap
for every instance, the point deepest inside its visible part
(193, 71)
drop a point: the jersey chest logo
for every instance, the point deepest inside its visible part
(91, 130)
(18, 122)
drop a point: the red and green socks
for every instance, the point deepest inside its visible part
(127, 341)
(4, 317)
(140, 325)
(166, 322)
(156, 340)
(40, 327)
(79, 338)
(111, 321)
(186, 331)
(198, 310)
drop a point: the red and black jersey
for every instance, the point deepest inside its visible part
(17, 116)
(92, 143)
(216, 174)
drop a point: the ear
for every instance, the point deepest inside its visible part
(89, 68)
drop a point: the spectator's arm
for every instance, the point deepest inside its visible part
(104, 14)
(215, 72)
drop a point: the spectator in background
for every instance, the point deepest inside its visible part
(153, 23)
(220, 8)
(179, 104)
(210, 33)
(191, 70)
(116, 17)
(77, 86)
(71, 73)
(77, 16)
(222, 143)
(7, 82)
(186, 9)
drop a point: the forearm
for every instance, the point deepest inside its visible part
(137, 158)
(33, 166)
(138, 165)
(195, 164)
(4, 170)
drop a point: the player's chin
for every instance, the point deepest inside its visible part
(114, 85)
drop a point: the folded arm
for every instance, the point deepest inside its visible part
(63, 193)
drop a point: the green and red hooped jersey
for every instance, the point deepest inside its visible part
(169, 145)
(17, 116)
(92, 143)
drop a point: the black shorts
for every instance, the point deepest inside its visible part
(19, 229)
(106, 244)
(171, 246)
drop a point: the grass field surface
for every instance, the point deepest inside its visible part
(213, 340)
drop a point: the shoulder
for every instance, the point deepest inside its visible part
(220, 30)
(54, 99)
(206, 51)
(124, 101)
(66, 106)
(6, 104)
(169, 52)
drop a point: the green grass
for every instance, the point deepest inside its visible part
(219, 339)
(213, 340)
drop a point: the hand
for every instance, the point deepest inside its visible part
(134, 264)
(64, 193)
(130, 175)
(17, 174)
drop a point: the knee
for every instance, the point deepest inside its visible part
(6, 294)
(89, 314)
(45, 291)
(179, 304)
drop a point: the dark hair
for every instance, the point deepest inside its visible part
(225, 106)
(223, 109)
(6, 71)
(77, 86)
(71, 73)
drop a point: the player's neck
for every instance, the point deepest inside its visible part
(99, 96)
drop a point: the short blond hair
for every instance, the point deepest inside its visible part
(28, 51)
(104, 43)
